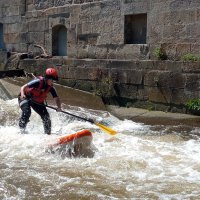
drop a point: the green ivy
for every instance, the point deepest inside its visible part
(193, 104)
(190, 57)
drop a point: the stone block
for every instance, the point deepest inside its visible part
(48, 42)
(182, 49)
(170, 49)
(86, 28)
(192, 82)
(151, 78)
(75, 17)
(178, 96)
(12, 28)
(23, 47)
(89, 86)
(53, 21)
(13, 10)
(37, 37)
(82, 52)
(194, 29)
(99, 52)
(183, 5)
(195, 48)
(130, 51)
(134, 7)
(29, 2)
(11, 38)
(37, 25)
(174, 32)
(159, 95)
(166, 79)
(63, 9)
(191, 95)
(24, 27)
(190, 67)
(91, 51)
(30, 7)
(197, 14)
(24, 38)
(72, 51)
(176, 80)
(12, 19)
(142, 93)
(3, 59)
(134, 77)
(22, 9)
(126, 91)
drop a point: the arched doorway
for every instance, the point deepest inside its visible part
(1, 37)
(59, 40)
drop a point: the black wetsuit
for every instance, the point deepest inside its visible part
(26, 105)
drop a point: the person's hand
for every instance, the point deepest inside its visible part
(58, 109)
(22, 96)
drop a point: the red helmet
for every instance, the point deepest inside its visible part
(51, 73)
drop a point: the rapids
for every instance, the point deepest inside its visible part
(140, 162)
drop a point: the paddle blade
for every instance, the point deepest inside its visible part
(106, 129)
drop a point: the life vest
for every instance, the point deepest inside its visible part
(37, 94)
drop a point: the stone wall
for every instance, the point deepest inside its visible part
(175, 26)
(160, 85)
(98, 59)
(95, 29)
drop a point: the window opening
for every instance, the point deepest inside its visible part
(135, 29)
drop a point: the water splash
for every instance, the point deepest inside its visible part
(140, 162)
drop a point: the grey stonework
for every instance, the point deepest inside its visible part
(159, 85)
(96, 30)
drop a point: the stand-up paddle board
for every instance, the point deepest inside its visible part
(78, 144)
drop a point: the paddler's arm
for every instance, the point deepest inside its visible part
(58, 103)
(22, 90)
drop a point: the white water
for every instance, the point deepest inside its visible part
(140, 162)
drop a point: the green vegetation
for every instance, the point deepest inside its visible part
(190, 57)
(160, 54)
(150, 106)
(193, 105)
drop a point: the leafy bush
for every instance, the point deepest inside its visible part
(190, 57)
(193, 104)
(160, 54)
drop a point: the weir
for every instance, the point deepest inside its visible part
(11, 87)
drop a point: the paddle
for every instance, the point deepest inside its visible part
(103, 127)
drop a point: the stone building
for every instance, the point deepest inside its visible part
(108, 46)
(106, 29)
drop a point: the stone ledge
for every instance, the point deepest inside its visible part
(154, 117)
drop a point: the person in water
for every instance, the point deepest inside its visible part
(33, 95)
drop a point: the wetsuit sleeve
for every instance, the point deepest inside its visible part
(53, 92)
(34, 83)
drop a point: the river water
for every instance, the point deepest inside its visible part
(140, 162)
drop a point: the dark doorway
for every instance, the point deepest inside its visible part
(59, 41)
(1, 37)
(135, 29)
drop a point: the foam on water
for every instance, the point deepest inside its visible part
(138, 163)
